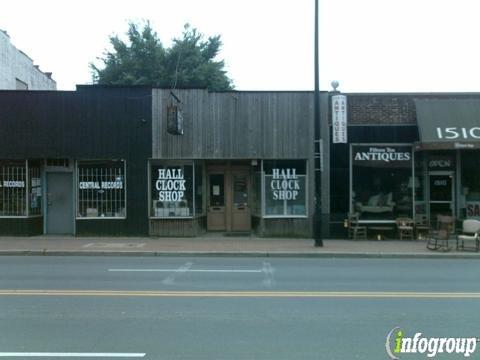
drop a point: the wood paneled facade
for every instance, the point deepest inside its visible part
(233, 127)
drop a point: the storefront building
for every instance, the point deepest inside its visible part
(74, 162)
(235, 162)
(407, 155)
(142, 161)
(185, 162)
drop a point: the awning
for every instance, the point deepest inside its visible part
(448, 124)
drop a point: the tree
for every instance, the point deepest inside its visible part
(189, 62)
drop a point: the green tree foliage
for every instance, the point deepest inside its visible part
(189, 62)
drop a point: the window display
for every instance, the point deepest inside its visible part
(101, 189)
(176, 190)
(285, 188)
(382, 181)
(13, 180)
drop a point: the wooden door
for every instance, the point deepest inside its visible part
(216, 215)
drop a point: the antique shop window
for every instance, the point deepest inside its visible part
(101, 189)
(13, 191)
(285, 188)
(382, 181)
(172, 192)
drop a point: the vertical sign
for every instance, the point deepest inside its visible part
(339, 118)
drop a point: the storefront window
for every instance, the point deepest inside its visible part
(470, 190)
(13, 180)
(285, 188)
(382, 181)
(101, 189)
(172, 191)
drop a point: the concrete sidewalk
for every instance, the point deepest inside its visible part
(219, 246)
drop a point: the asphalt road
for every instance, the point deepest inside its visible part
(230, 308)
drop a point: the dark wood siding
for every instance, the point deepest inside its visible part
(90, 123)
(235, 125)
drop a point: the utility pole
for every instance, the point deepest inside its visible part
(318, 151)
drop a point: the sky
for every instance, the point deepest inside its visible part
(367, 45)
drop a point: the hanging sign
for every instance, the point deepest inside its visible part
(339, 119)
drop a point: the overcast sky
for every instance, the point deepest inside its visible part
(367, 45)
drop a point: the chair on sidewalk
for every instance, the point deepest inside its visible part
(470, 232)
(438, 239)
(405, 227)
(355, 230)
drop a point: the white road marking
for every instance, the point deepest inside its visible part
(269, 272)
(169, 280)
(67, 354)
(189, 270)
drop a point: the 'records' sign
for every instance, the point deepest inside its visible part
(384, 154)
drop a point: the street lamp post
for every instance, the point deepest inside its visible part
(317, 217)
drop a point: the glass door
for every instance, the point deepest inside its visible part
(442, 200)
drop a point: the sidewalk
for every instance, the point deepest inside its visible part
(219, 246)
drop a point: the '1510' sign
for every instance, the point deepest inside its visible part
(458, 133)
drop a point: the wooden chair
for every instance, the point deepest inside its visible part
(422, 227)
(405, 227)
(470, 232)
(438, 239)
(355, 230)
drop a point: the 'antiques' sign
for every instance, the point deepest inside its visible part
(170, 185)
(339, 118)
(383, 154)
(285, 184)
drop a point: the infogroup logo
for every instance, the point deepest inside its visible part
(397, 343)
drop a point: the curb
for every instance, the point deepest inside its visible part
(271, 254)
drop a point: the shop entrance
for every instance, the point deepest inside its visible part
(59, 209)
(442, 199)
(229, 198)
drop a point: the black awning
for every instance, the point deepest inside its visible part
(448, 124)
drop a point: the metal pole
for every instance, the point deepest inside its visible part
(317, 222)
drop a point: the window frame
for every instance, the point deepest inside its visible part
(26, 188)
(172, 163)
(263, 194)
(77, 190)
(412, 172)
